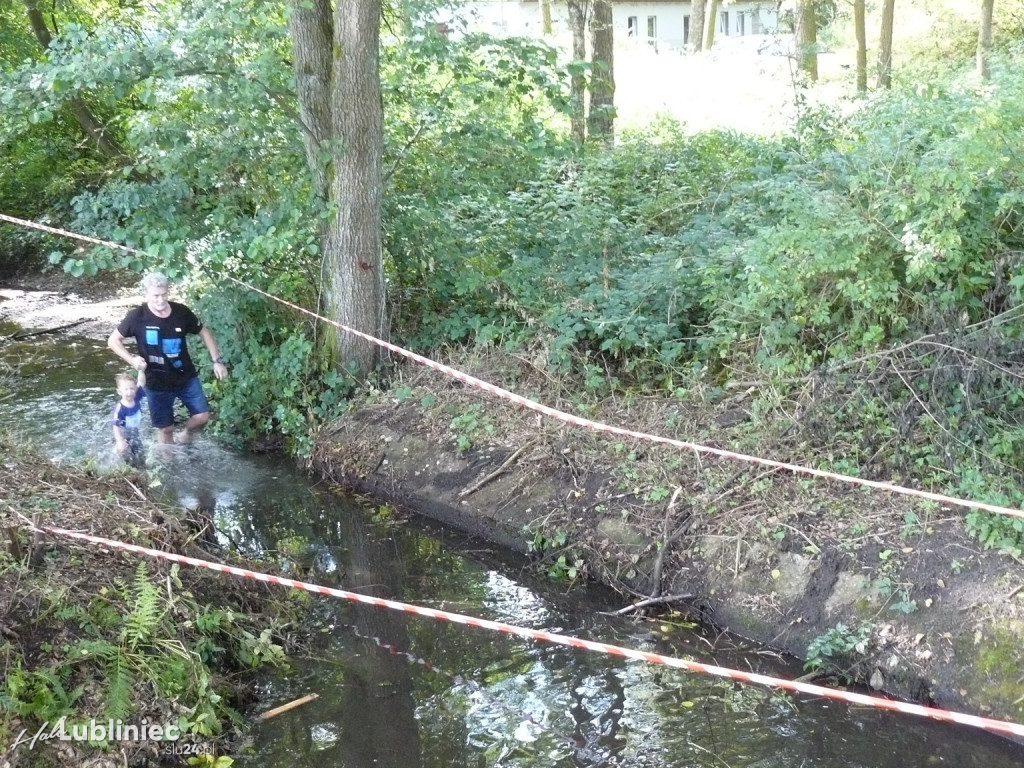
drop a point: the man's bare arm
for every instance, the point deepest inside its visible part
(116, 343)
(220, 370)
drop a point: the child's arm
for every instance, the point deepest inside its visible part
(142, 379)
(117, 423)
(120, 442)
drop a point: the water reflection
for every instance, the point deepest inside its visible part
(366, 713)
(398, 690)
(471, 698)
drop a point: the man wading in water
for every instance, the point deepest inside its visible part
(159, 327)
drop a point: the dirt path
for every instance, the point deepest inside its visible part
(82, 307)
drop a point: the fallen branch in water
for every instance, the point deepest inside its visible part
(648, 602)
(290, 705)
(30, 334)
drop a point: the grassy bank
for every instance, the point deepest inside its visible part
(89, 634)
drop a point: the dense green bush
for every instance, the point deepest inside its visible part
(847, 236)
(279, 387)
(881, 252)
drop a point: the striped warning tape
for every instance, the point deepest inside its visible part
(988, 724)
(394, 650)
(569, 418)
(65, 233)
(598, 426)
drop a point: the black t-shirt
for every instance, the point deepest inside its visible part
(161, 342)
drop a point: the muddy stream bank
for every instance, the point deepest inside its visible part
(942, 618)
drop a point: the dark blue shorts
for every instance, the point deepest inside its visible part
(161, 404)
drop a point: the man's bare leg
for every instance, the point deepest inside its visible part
(164, 440)
(194, 426)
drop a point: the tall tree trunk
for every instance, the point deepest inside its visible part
(709, 24)
(860, 29)
(312, 32)
(885, 45)
(545, 14)
(577, 78)
(985, 39)
(337, 76)
(87, 121)
(601, 120)
(807, 38)
(355, 293)
(697, 11)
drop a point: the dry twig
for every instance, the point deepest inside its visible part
(504, 466)
(661, 600)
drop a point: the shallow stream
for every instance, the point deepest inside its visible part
(401, 691)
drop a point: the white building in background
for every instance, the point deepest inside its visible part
(660, 24)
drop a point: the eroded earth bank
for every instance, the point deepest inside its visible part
(885, 590)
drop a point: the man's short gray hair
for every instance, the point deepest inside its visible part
(155, 280)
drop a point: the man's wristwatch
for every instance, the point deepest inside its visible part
(219, 361)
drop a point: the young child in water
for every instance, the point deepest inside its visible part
(127, 418)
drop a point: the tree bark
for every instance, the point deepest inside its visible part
(577, 79)
(601, 120)
(807, 39)
(355, 292)
(88, 122)
(885, 45)
(709, 24)
(312, 32)
(337, 78)
(697, 12)
(985, 39)
(860, 29)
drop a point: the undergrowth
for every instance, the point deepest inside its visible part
(861, 277)
(90, 635)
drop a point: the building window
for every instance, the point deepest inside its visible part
(741, 26)
(755, 23)
(631, 25)
(686, 30)
(652, 27)
(723, 23)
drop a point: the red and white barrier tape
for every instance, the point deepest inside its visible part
(598, 426)
(569, 418)
(65, 233)
(997, 726)
(394, 650)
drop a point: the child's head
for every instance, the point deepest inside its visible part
(126, 386)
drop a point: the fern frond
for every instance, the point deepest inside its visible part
(141, 622)
(118, 704)
(94, 648)
(49, 699)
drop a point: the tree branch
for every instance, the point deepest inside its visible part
(83, 114)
